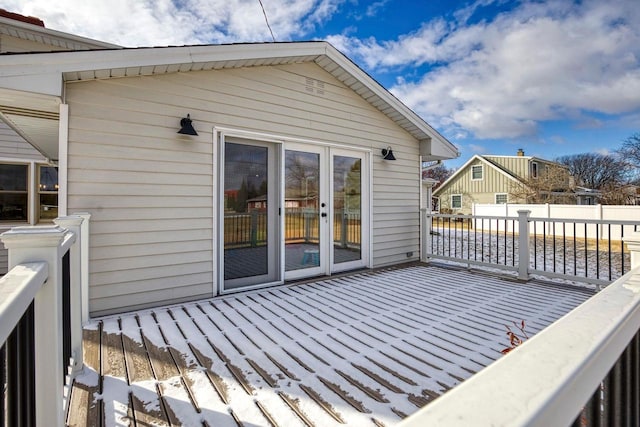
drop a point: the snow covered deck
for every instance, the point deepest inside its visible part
(363, 349)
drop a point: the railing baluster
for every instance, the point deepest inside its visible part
(564, 247)
(626, 385)
(553, 234)
(489, 236)
(597, 252)
(513, 242)
(20, 380)
(535, 246)
(586, 252)
(575, 251)
(609, 242)
(635, 377)
(622, 249)
(3, 382)
(544, 245)
(592, 410)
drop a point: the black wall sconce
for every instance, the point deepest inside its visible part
(387, 154)
(186, 128)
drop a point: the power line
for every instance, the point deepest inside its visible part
(266, 19)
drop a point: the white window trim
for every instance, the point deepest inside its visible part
(481, 173)
(451, 201)
(501, 194)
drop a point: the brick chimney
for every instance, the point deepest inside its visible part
(520, 152)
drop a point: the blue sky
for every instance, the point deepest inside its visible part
(552, 77)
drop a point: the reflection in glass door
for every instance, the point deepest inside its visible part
(302, 206)
(347, 203)
(250, 212)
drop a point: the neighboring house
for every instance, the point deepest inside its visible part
(281, 117)
(28, 179)
(503, 179)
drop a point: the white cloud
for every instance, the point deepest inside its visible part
(178, 22)
(499, 79)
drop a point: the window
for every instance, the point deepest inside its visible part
(48, 193)
(14, 195)
(456, 201)
(501, 198)
(476, 172)
(534, 170)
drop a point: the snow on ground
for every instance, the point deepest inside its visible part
(363, 349)
(573, 258)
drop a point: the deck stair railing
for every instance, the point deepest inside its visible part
(586, 250)
(41, 321)
(582, 370)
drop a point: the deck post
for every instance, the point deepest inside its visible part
(74, 224)
(523, 244)
(84, 265)
(633, 243)
(37, 244)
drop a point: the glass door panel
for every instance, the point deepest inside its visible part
(306, 217)
(250, 207)
(347, 202)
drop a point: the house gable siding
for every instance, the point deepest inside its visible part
(475, 191)
(150, 193)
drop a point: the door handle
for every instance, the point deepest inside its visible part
(323, 214)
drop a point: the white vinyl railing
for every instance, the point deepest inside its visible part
(41, 321)
(582, 370)
(566, 248)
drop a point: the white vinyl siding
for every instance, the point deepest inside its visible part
(477, 173)
(456, 201)
(502, 198)
(150, 191)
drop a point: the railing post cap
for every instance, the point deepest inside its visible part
(33, 236)
(69, 221)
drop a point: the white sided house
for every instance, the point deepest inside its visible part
(181, 216)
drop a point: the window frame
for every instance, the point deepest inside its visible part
(39, 192)
(451, 201)
(28, 191)
(481, 172)
(534, 170)
(506, 198)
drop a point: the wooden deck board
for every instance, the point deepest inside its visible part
(87, 410)
(365, 349)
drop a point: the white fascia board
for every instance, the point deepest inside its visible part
(41, 83)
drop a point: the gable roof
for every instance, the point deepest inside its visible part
(43, 74)
(484, 161)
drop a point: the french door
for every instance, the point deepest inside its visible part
(326, 217)
(289, 211)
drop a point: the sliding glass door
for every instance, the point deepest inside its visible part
(250, 214)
